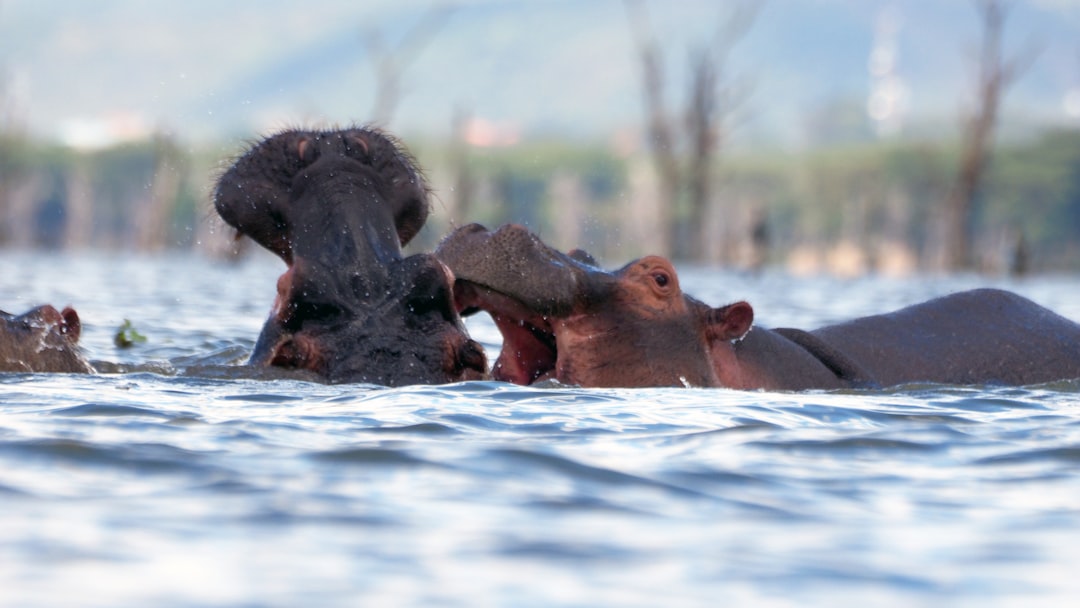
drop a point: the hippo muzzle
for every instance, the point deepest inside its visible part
(337, 207)
(526, 287)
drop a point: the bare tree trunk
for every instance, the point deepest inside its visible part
(463, 180)
(568, 201)
(152, 217)
(661, 134)
(709, 103)
(22, 199)
(704, 133)
(640, 226)
(995, 76)
(389, 64)
(79, 230)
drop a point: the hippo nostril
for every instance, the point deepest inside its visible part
(472, 228)
(582, 256)
(471, 356)
(297, 352)
(431, 290)
(437, 299)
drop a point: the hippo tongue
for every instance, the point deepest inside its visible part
(529, 351)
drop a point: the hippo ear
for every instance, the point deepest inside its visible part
(356, 142)
(71, 326)
(729, 322)
(306, 150)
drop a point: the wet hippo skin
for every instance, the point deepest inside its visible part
(337, 206)
(562, 317)
(41, 340)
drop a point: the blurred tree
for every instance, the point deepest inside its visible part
(1033, 196)
(661, 133)
(389, 64)
(79, 228)
(122, 174)
(152, 215)
(464, 183)
(711, 99)
(995, 75)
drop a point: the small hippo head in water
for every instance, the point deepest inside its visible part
(563, 317)
(337, 206)
(41, 340)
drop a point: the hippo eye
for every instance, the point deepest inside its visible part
(661, 278)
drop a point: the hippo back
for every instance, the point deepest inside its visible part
(973, 337)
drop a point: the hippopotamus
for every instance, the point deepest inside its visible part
(564, 318)
(42, 340)
(337, 206)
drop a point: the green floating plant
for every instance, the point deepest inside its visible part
(127, 336)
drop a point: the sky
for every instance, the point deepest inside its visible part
(91, 73)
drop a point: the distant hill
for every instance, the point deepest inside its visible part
(545, 67)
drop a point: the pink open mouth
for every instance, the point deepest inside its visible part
(529, 351)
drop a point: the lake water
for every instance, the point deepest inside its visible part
(178, 479)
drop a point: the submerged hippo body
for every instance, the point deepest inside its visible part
(337, 206)
(41, 340)
(562, 317)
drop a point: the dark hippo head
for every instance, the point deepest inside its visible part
(337, 206)
(41, 340)
(563, 317)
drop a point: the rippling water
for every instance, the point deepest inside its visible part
(178, 479)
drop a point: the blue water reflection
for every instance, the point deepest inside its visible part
(186, 481)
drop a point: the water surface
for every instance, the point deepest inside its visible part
(179, 479)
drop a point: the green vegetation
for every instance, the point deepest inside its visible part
(154, 195)
(127, 336)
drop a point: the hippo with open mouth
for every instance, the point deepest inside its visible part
(562, 317)
(42, 340)
(337, 206)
